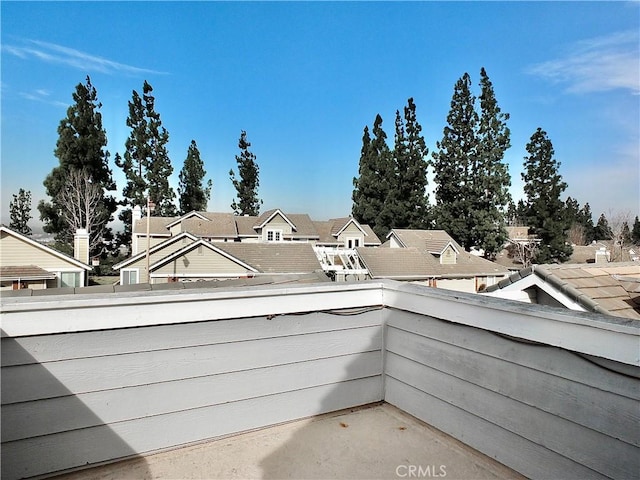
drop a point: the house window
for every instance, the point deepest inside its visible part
(274, 235)
(129, 277)
(352, 242)
(70, 279)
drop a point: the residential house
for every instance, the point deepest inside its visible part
(611, 289)
(25, 263)
(186, 257)
(430, 257)
(271, 226)
(171, 239)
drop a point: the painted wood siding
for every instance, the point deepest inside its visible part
(141, 264)
(448, 256)
(69, 400)
(276, 223)
(16, 252)
(195, 263)
(140, 242)
(543, 411)
(458, 284)
(352, 231)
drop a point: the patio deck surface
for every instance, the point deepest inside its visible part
(373, 442)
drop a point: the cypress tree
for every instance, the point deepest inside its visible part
(602, 230)
(193, 194)
(376, 177)
(491, 177)
(545, 211)
(385, 178)
(625, 235)
(159, 168)
(635, 231)
(20, 212)
(247, 186)
(453, 165)
(413, 174)
(81, 147)
(586, 220)
(364, 208)
(393, 213)
(146, 162)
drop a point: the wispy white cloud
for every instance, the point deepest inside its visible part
(598, 64)
(53, 53)
(41, 95)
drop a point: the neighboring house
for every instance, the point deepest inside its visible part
(185, 257)
(271, 226)
(612, 289)
(333, 241)
(431, 257)
(25, 263)
(345, 232)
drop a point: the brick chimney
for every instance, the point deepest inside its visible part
(81, 245)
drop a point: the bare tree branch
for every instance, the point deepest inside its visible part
(81, 201)
(523, 251)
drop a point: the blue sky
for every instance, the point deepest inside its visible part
(303, 79)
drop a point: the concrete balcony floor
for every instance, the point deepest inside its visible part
(372, 442)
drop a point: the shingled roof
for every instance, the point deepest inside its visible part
(218, 225)
(398, 263)
(432, 241)
(612, 288)
(25, 272)
(228, 225)
(431, 244)
(275, 257)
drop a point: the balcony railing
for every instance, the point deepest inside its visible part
(95, 378)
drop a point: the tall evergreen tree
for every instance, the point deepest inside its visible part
(577, 234)
(193, 193)
(406, 204)
(602, 230)
(392, 214)
(363, 208)
(586, 220)
(625, 235)
(635, 231)
(247, 186)
(453, 163)
(491, 177)
(20, 212)
(159, 168)
(81, 147)
(376, 175)
(146, 162)
(545, 210)
(516, 216)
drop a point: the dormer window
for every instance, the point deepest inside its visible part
(352, 242)
(274, 235)
(448, 256)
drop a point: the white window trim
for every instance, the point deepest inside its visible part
(69, 270)
(276, 232)
(353, 239)
(122, 272)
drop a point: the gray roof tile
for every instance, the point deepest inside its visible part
(283, 257)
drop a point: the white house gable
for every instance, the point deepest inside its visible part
(352, 235)
(276, 228)
(449, 255)
(200, 260)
